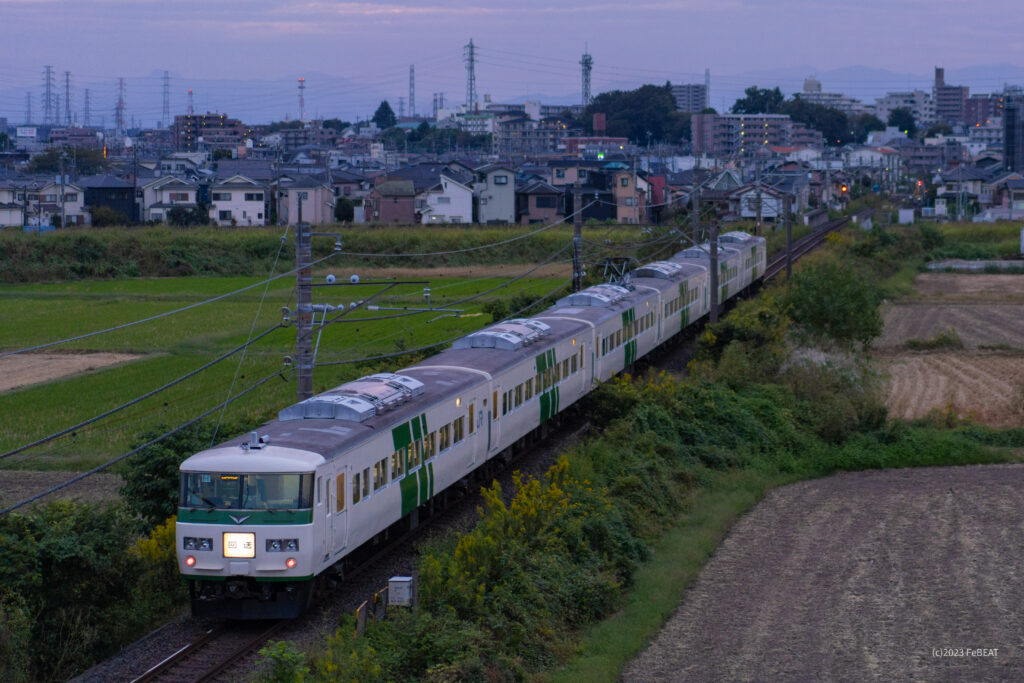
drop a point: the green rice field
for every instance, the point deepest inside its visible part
(173, 346)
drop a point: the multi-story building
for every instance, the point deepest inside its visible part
(919, 103)
(76, 136)
(739, 134)
(691, 97)
(209, 131)
(237, 200)
(1013, 135)
(812, 93)
(950, 100)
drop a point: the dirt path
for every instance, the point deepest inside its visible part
(860, 576)
(33, 368)
(18, 485)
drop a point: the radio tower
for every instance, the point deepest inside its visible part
(588, 64)
(412, 90)
(191, 107)
(470, 59)
(67, 98)
(302, 99)
(28, 109)
(167, 100)
(119, 110)
(85, 110)
(48, 95)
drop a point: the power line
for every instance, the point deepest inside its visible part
(132, 452)
(160, 315)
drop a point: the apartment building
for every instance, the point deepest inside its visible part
(739, 134)
(919, 102)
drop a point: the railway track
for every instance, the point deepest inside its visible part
(227, 643)
(803, 245)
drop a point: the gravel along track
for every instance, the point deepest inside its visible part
(892, 575)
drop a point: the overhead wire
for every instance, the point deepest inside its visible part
(110, 463)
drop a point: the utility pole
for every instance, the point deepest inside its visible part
(787, 211)
(304, 304)
(696, 210)
(63, 212)
(577, 237)
(714, 271)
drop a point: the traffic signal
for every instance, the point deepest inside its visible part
(919, 183)
(844, 188)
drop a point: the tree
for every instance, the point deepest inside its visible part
(83, 159)
(827, 301)
(5, 142)
(903, 119)
(103, 216)
(187, 217)
(864, 124)
(647, 113)
(336, 124)
(222, 154)
(344, 210)
(939, 129)
(384, 117)
(759, 101)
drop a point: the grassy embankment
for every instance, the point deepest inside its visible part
(626, 520)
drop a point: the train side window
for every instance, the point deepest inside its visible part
(380, 474)
(339, 500)
(604, 346)
(459, 427)
(319, 488)
(574, 368)
(519, 395)
(366, 482)
(494, 405)
(581, 356)
(397, 464)
(414, 454)
(565, 367)
(504, 403)
(526, 396)
(537, 384)
(356, 488)
(445, 438)
(429, 446)
(470, 418)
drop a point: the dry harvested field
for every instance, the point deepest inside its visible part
(32, 368)
(18, 485)
(496, 270)
(891, 575)
(984, 381)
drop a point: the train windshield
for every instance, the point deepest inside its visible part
(246, 491)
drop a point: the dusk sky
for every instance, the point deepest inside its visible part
(243, 58)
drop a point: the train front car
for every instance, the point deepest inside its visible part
(245, 534)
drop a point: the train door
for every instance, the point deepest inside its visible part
(323, 513)
(492, 422)
(340, 530)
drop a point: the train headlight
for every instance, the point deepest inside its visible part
(194, 543)
(279, 545)
(190, 561)
(292, 544)
(273, 545)
(290, 563)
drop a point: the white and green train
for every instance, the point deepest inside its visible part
(261, 518)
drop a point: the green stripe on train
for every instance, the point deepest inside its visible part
(410, 493)
(417, 488)
(401, 436)
(251, 517)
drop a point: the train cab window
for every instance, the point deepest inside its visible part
(459, 427)
(415, 453)
(397, 465)
(380, 474)
(429, 446)
(339, 501)
(444, 437)
(471, 417)
(366, 482)
(356, 488)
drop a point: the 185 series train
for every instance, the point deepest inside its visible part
(261, 518)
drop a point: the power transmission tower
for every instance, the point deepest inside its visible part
(470, 59)
(167, 100)
(119, 111)
(412, 90)
(302, 99)
(401, 108)
(67, 98)
(56, 104)
(191, 107)
(28, 109)
(48, 95)
(588, 65)
(85, 110)
(435, 106)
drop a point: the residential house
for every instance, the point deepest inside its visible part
(630, 190)
(450, 201)
(494, 193)
(538, 202)
(762, 202)
(51, 210)
(160, 195)
(391, 201)
(238, 201)
(111, 192)
(304, 198)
